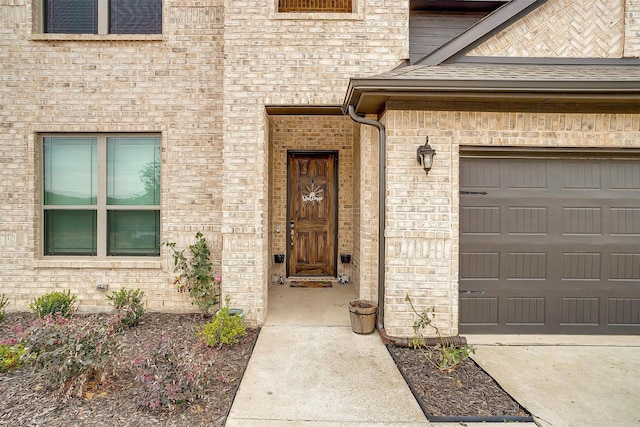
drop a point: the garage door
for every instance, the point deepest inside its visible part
(550, 245)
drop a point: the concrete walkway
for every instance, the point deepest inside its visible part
(309, 368)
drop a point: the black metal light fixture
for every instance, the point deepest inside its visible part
(425, 156)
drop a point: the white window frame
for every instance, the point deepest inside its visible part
(101, 206)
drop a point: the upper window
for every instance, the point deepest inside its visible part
(102, 16)
(101, 195)
(342, 6)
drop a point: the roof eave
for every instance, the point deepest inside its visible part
(369, 96)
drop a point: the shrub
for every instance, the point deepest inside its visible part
(167, 377)
(224, 329)
(450, 354)
(3, 304)
(129, 304)
(196, 273)
(67, 353)
(11, 356)
(54, 303)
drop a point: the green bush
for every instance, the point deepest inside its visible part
(224, 329)
(450, 355)
(11, 356)
(3, 304)
(129, 303)
(61, 304)
(195, 273)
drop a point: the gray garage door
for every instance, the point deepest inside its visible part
(550, 245)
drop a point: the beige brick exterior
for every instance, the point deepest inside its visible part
(422, 211)
(632, 29)
(286, 59)
(205, 86)
(568, 28)
(333, 133)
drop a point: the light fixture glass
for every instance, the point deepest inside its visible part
(425, 156)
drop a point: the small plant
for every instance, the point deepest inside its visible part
(11, 355)
(129, 303)
(67, 353)
(196, 273)
(450, 354)
(3, 304)
(224, 329)
(55, 304)
(167, 377)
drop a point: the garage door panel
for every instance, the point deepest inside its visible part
(552, 247)
(625, 221)
(481, 220)
(527, 220)
(624, 176)
(625, 266)
(580, 311)
(624, 311)
(581, 266)
(524, 175)
(479, 310)
(581, 175)
(525, 311)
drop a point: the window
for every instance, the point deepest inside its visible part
(344, 6)
(101, 195)
(102, 16)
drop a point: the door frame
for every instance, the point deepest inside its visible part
(336, 186)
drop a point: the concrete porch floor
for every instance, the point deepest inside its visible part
(310, 306)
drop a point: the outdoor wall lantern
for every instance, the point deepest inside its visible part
(425, 156)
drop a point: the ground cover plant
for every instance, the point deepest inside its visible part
(159, 373)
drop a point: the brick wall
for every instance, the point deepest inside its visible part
(632, 29)
(170, 85)
(331, 133)
(567, 28)
(422, 211)
(286, 59)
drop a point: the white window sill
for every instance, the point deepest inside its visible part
(96, 37)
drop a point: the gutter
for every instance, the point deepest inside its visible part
(382, 203)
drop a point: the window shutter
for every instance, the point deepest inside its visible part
(71, 16)
(135, 17)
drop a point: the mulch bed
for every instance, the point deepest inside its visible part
(25, 402)
(467, 391)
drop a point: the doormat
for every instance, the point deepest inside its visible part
(310, 284)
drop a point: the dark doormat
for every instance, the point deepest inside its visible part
(310, 284)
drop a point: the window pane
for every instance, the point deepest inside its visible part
(71, 16)
(133, 233)
(70, 232)
(135, 16)
(133, 171)
(70, 171)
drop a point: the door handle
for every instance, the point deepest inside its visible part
(292, 224)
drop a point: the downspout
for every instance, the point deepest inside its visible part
(382, 202)
(382, 243)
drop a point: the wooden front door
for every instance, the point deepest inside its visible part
(312, 208)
